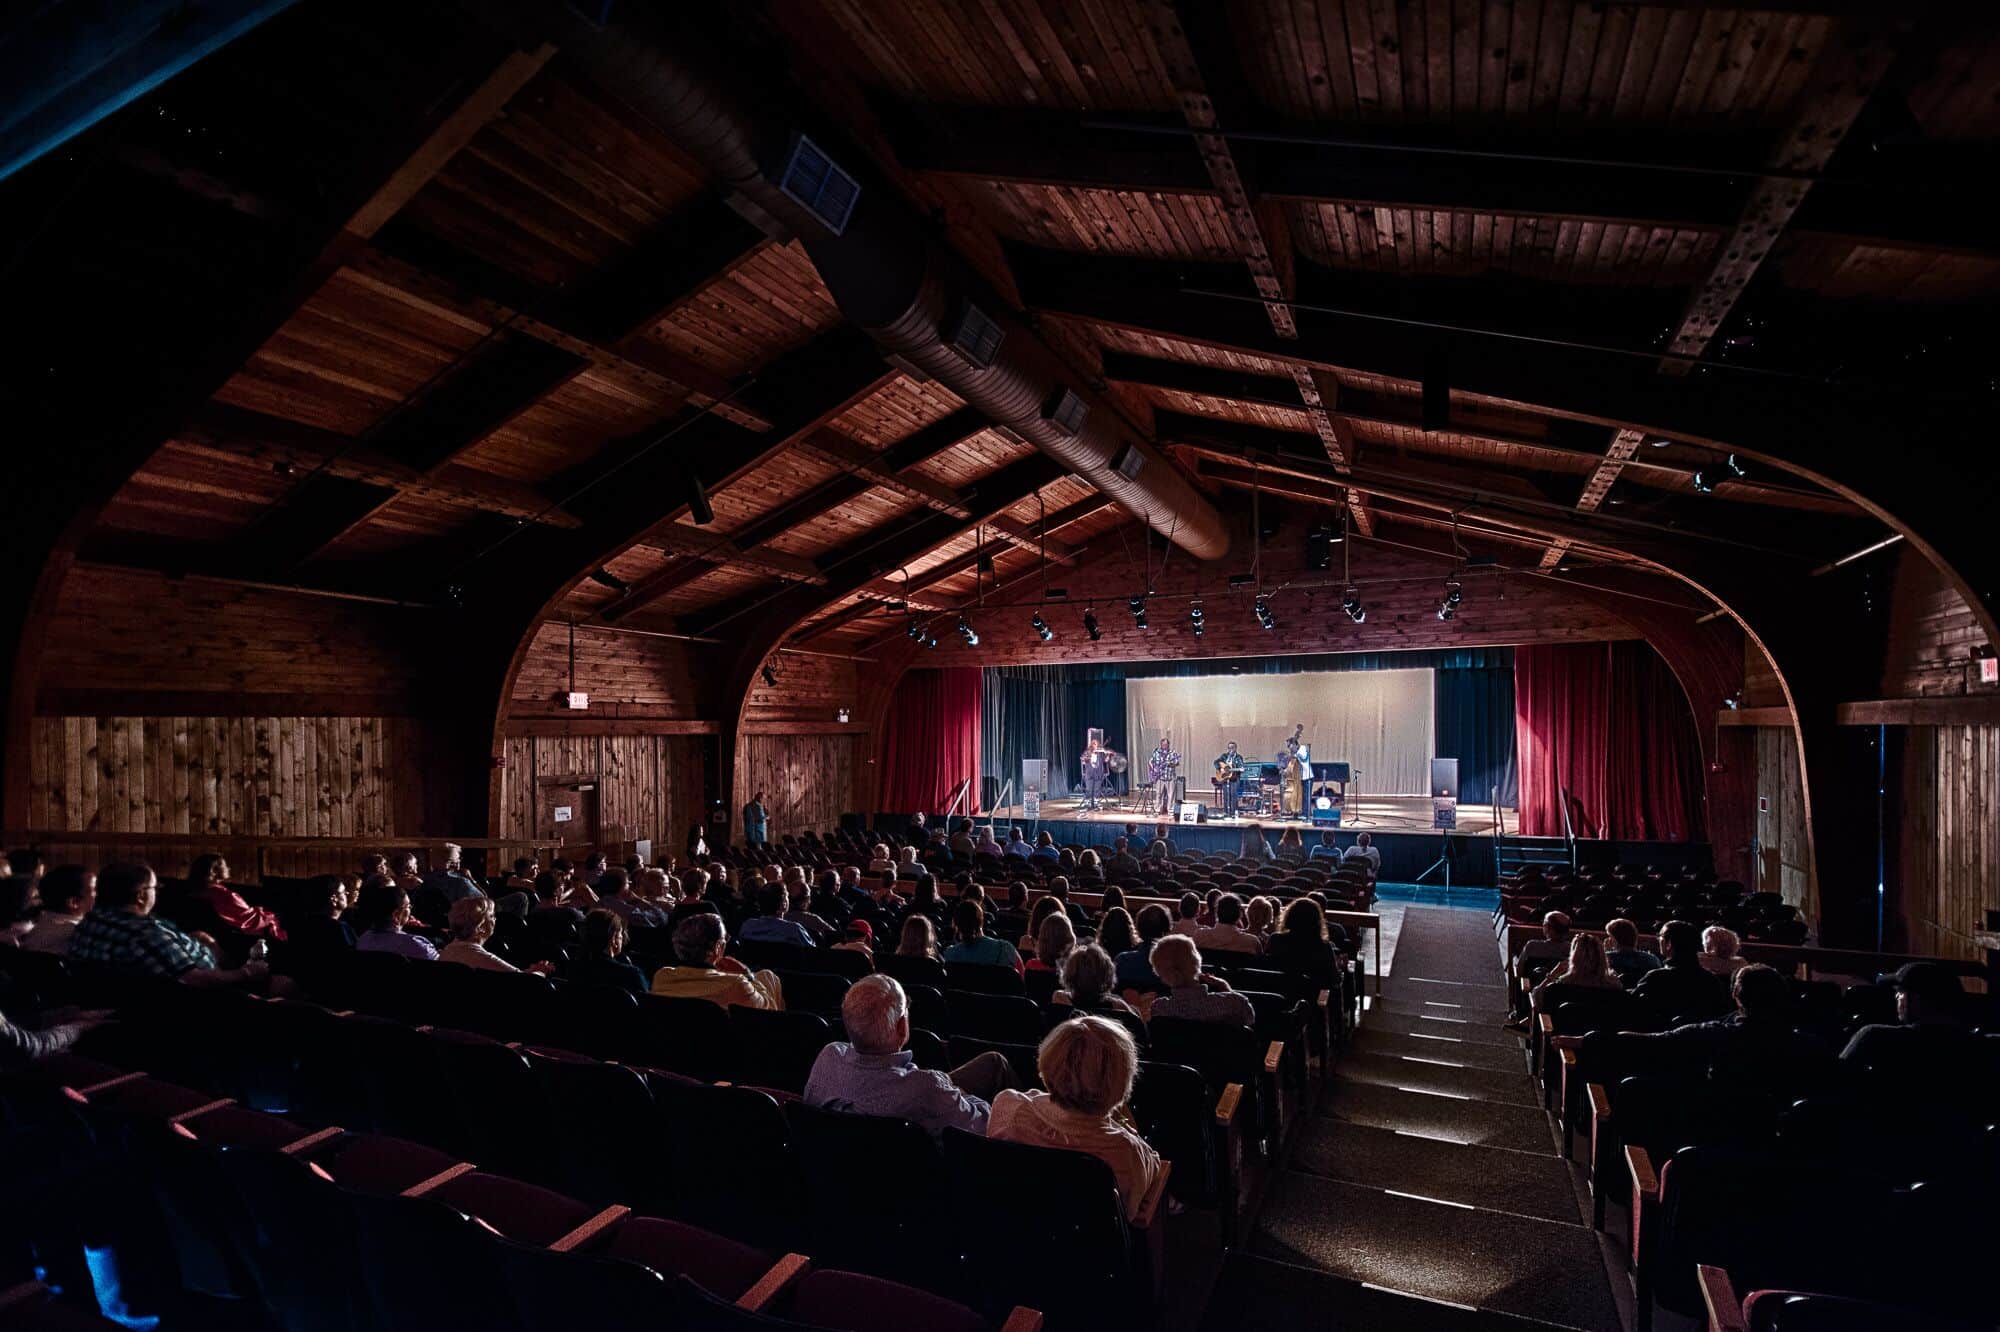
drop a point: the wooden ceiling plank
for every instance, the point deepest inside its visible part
(841, 451)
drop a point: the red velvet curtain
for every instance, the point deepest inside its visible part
(930, 742)
(1609, 724)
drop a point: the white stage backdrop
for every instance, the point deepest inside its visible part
(1379, 721)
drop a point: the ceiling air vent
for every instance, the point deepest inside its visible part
(821, 187)
(974, 335)
(1127, 462)
(1067, 412)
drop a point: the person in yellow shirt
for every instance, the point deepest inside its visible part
(704, 971)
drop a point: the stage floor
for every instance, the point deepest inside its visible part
(1381, 814)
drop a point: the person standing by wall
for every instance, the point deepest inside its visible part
(756, 820)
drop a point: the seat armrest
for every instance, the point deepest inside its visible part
(1568, 1059)
(1229, 1104)
(783, 1274)
(1645, 1184)
(199, 1111)
(1023, 1320)
(1274, 1056)
(1600, 1102)
(1725, 1311)
(439, 1180)
(1149, 1206)
(590, 1230)
(1547, 1023)
(310, 1141)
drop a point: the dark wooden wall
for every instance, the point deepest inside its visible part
(1784, 856)
(649, 786)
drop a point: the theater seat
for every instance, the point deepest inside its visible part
(899, 1227)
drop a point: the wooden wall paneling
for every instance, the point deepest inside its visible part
(1784, 861)
(1964, 814)
(807, 780)
(1931, 636)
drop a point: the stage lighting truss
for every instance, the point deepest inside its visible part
(967, 632)
(1448, 608)
(1351, 603)
(1090, 626)
(1264, 616)
(1137, 605)
(1195, 619)
(1041, 627)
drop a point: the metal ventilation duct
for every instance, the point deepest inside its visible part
(886, 273)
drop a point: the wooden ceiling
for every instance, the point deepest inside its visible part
(1779, 192)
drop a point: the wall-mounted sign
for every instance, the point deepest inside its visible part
(1763, 804)
(563, 813)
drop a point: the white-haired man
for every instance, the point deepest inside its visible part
(872, 1074)
(451, 879)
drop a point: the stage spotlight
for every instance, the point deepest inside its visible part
(1137, 605)
(1704, 483)
(929, 639)
(1264, 616)
(967, 632)
(1195, 619)
(1448, 608)
(1041, 627)
(1351, 603)
(1090, 626)
(1736, 467)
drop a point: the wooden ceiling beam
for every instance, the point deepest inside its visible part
(1196, 39)
(885, 590)
(836, 448)
(1840, 88)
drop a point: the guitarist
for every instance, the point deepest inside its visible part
(1229, 779)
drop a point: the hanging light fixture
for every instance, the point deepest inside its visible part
(1041, 627)
(1137, 605)
(967, 632)
(1264, 616)
(1448, 608)
(1195, 619)
(1351, 603)
(1090, 625)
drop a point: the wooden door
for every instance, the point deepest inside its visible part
(568, 810)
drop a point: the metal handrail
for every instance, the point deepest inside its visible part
(1569, 830)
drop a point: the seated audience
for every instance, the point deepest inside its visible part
(1115, 931)
(380, 918)
(1177, 961)
(1292, 846)
(1045, 906)
(1254, 846)
(20, 905)
(555, 894)
(1929, 1032)
(1303, 942)
(1111, 898)
(321, 931)
(20, 1046)
(987, 845)
(881, 859)
(68, 893)
(1188, 921)
(1045, 848)
(975, 947)
(694, 898)
(451, 878)
(209, 876)
(1260, 913)
(1163, 835)
(919, 938)
(1584, 968)
(858, 937)
(121, 932)
(471, 926)
(871, 1073)
(816, 911)
(1089, 868)
(1626, 959)
(1228, 934)
(1681, 987)
(1363, 851)
(1123, 863)
(704, 971)
(602, 960)
(614, 893)
(1326, 849)
(1089, 977)
(907, 868)
(1757, 1044)
(886, 908)
(1718, 951)
(769, 924)
(1135, 970)
(1088, 1065)
(1053, 942)
(1017, 845)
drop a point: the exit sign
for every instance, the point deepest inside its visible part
(576, 702)
(1989, 670)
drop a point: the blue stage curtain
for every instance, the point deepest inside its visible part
(1044, 712)
(1474, 723)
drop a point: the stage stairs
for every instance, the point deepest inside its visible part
(1512, 853)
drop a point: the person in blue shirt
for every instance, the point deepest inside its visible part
(975, 947)
(756, 820)
(769, 924)
(1018, 845)
(1326, 850)
(871, 1073)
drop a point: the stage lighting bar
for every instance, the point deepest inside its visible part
(1195, 619)
(1351, 603)
(1041, 627)
(1264, 616)
(1137, 605)
(1448, 608)
(967, 632)
(1090, 626)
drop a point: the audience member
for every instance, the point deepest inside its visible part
(451, 878)
(988, 845)
(209, 876)
(602, 960)
(1680, 987)
(1045, 848)
(1584, 969)
(1177, 961)
(858, 937)
(68, 893)
(20, 1046)
(1163, 835)
(704, 971)
(1088, 1065)
(1228, 934)
(1304, 942)
(919, 938)
(1254, 846)
(614, 893)
(1929, 1032)
(1756, 1044)
(472, 920)
(1018, 845)
(1291, 846)
(1053, 942)
(1326, 849)
(1626, 959)
(1718, 951)
(383, 912)
(1188, 921)
(694, 899)
(1363, 851)
(1260, 913)
(121, 932)
(871, 1073)
(769, 924)
(1115, 931)
(1089, 977)
(1123, 863)
(1135, 970)
(974, 946)
(20, 905)
(321, 932)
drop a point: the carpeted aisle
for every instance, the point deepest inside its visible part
(1432, 1170)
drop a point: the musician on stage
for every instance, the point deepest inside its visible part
(1096, 764)
(1294, 771)
(1160, 771)
(1229, 779)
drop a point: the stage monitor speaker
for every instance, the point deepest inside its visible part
(1192, 811)
(1035, 776)
(1338, 772)
(1444, 778)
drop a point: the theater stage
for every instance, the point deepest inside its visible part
(1364, 813)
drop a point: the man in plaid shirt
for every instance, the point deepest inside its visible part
(122, 933)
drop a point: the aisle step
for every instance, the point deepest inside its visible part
(1521, 1128)
(1259, 1292)
(1438, 1071)
(1373, 1039)
(1441, 1022)
(1490, 1177)
(1465, 1255)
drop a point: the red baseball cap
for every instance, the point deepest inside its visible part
(860, 929)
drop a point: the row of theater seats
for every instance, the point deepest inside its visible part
(716, 1155)
(1756, 917)
(1865, 1185)
(203, 1207)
